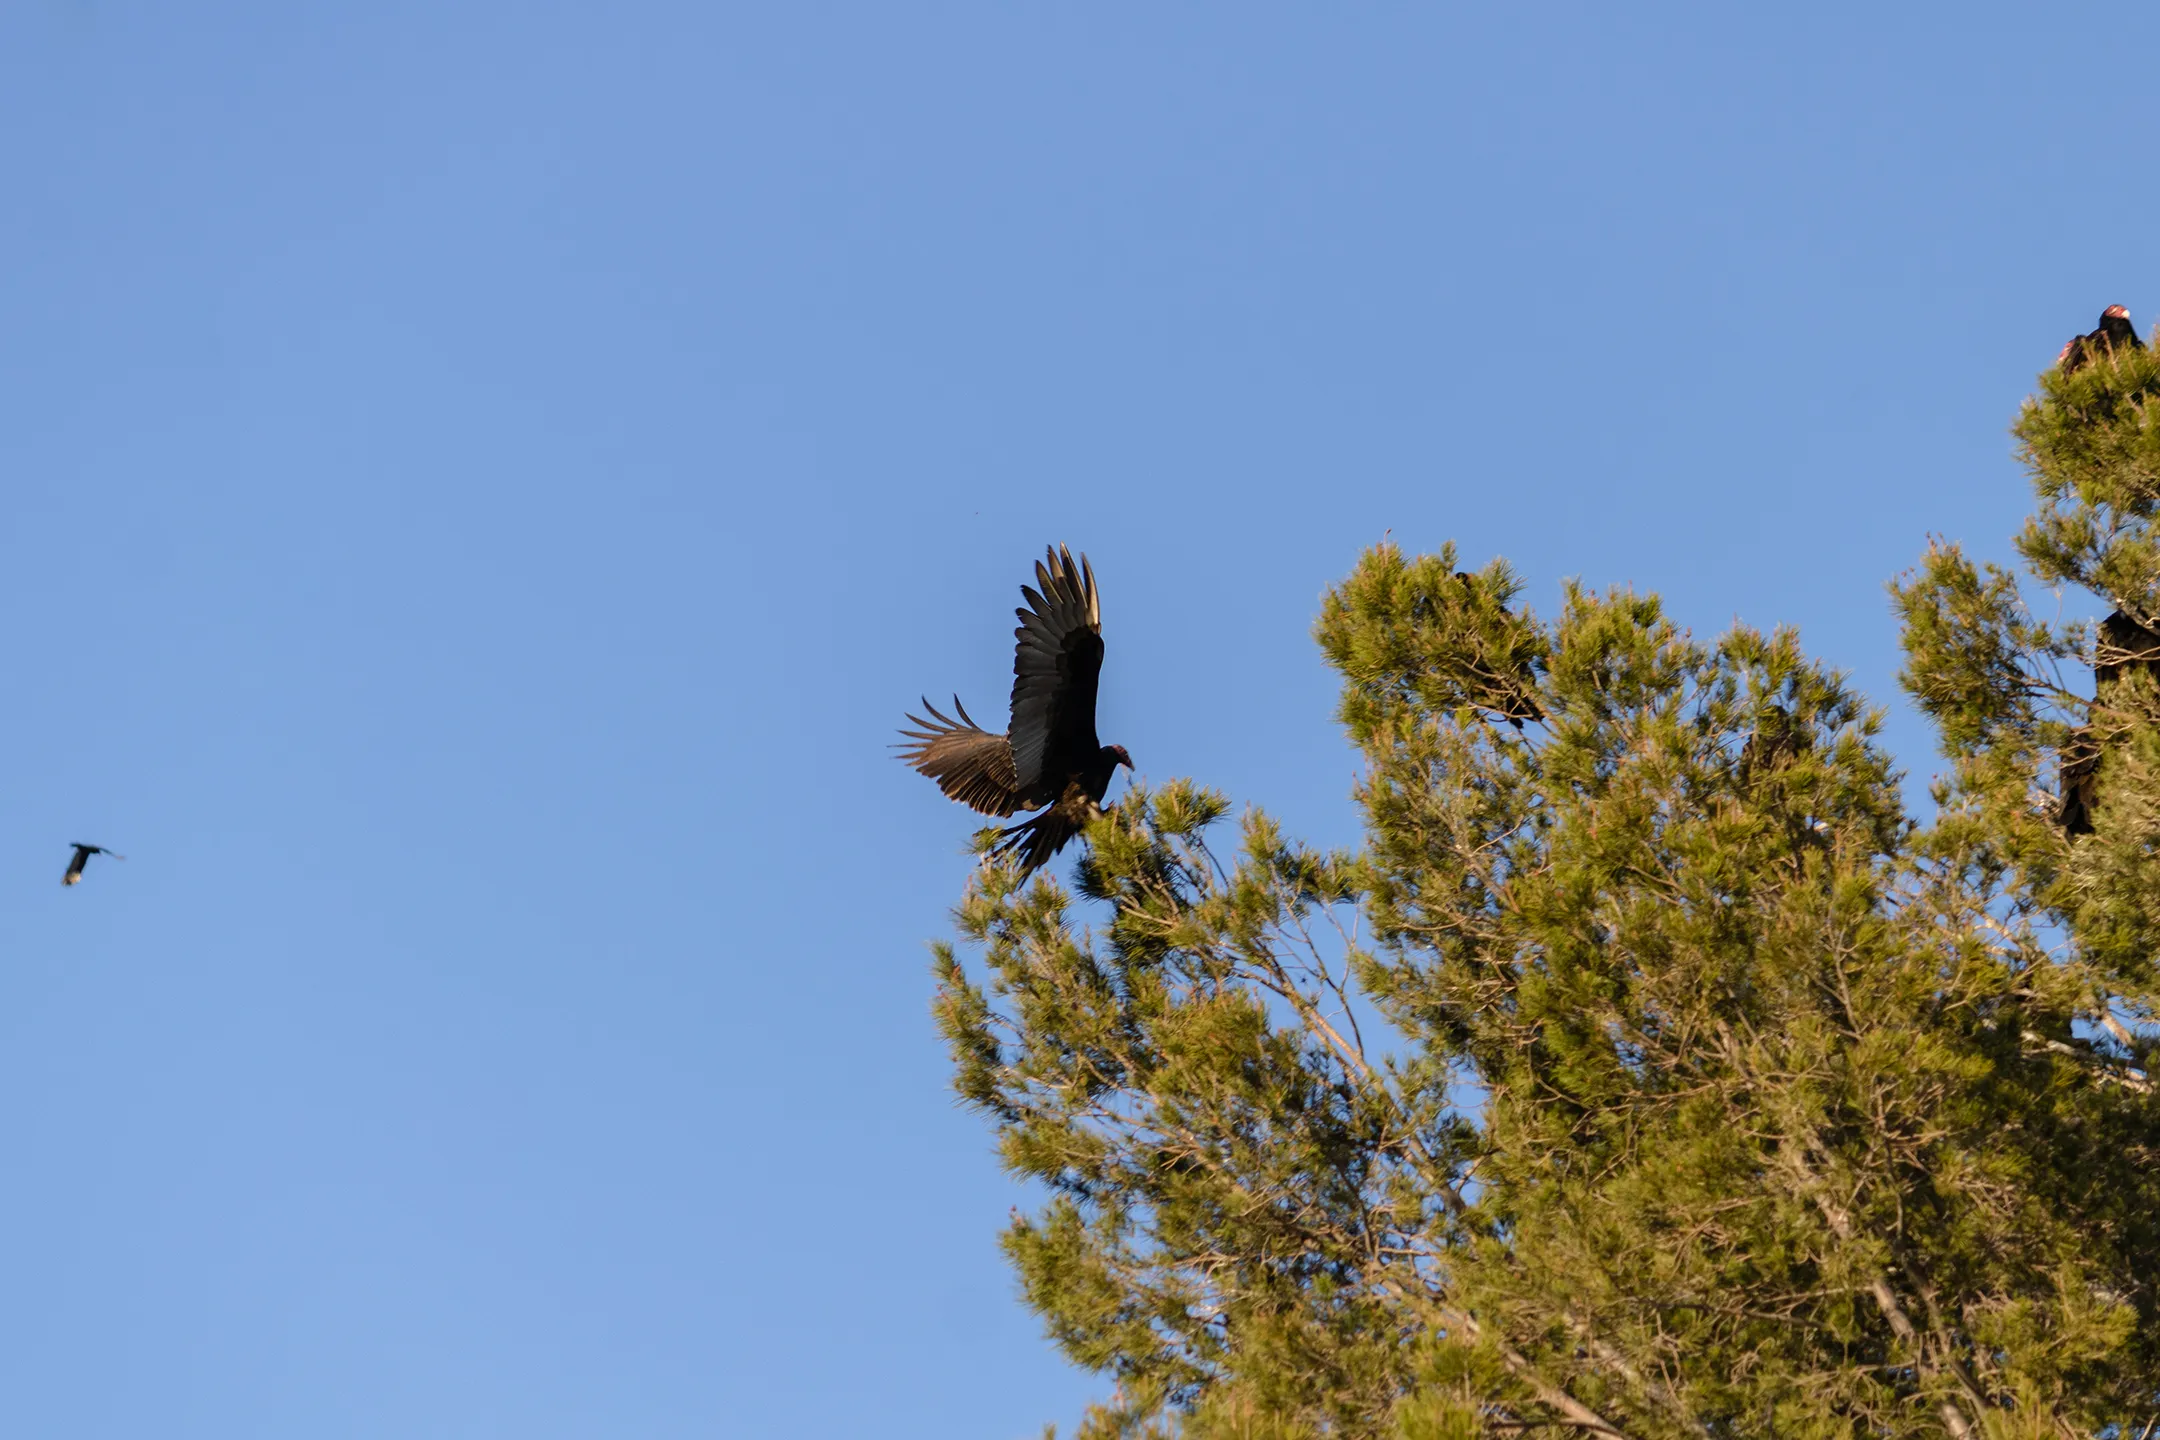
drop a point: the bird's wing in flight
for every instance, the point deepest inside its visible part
(1056, 660)
(969, 763)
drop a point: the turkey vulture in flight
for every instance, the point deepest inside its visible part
(82, 858)
(2115, 332)
(1049, 756)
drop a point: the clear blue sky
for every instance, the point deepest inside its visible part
(483, 481)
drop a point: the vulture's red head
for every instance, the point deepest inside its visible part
(2115, 312)
(1122, 758)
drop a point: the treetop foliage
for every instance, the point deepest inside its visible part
(1649, 1071)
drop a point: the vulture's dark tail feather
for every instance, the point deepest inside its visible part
(1035, 841)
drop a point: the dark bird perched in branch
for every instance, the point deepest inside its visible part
(1505, 694)
(2123, 646)
(82, 858)
(1776, 741)
(1049, 755)
(2077, 779)
(2115, 332)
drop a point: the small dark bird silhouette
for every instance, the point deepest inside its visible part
(1049, 755)
(82, 858)
(2115, 332)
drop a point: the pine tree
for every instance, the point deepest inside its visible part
(1649, 1071)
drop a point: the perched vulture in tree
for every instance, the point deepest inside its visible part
(2077, 772)
(2123, 645)
(2115, 332)
(1049, 757)
(1507, 696)
(1777, 740)
(82, 858)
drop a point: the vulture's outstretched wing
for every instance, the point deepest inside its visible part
(1055, 663)
(969, 763)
